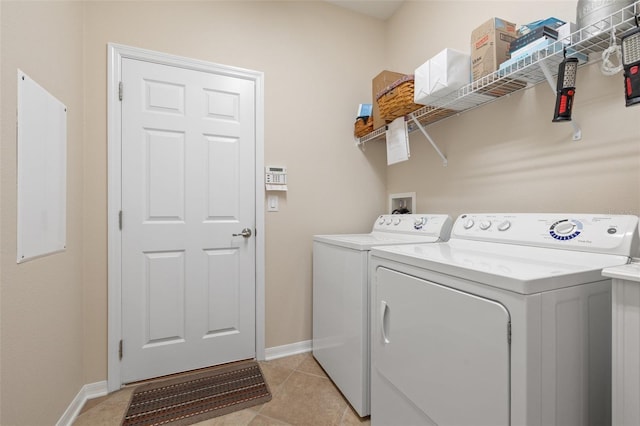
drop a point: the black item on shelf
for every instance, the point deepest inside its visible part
(401, 210)
(566, 89)
(630, 41)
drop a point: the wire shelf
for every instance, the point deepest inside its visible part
(524, 73)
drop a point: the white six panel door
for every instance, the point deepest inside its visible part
(188, 161)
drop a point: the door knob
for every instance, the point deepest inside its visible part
(246, 232)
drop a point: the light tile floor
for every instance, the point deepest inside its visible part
(302, 395)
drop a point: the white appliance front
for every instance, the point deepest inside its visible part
(535, 324)
(451, 338)
(341, 298)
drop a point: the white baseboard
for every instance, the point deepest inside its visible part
(287, 350)
(90, 391)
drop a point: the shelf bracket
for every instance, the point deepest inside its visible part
(426, 135)
(577, 132)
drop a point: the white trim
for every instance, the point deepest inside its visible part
(116, 53)
(288, 350)
(260, 220)
(114, 329)
(87, 392)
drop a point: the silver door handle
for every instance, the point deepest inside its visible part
(384, 322)
(246, 232)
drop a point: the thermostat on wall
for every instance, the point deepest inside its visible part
(275, 178)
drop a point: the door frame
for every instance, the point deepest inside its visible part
(116, 53)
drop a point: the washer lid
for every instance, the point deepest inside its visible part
(521, 269)
(373, 239)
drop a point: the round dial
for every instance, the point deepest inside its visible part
(485, 224)
(396, 221)
(388, 221)
(419, 222)
(504, 225)
(565, 229)
(380, 220)
(468, 224)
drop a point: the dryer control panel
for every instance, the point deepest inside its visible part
(612, 234)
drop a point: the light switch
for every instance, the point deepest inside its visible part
(272, 203)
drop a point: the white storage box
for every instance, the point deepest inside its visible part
(441, 75)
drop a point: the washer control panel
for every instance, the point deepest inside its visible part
(615, 234)
(413, 223)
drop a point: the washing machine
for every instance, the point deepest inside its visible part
(507, 323)
(341, 296)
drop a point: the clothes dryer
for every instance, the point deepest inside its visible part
(507, 323)
(341, 297)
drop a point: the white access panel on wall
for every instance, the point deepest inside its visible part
(42, 165)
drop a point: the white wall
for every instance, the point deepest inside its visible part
(41, 318)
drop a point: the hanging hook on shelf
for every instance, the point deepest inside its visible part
(609, 67)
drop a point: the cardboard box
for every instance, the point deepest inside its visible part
(490, 46)
(382, 80)
(441, 75)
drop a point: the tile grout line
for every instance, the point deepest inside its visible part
(312, 374)
(273, 394)
(324, 375)
(273, 418)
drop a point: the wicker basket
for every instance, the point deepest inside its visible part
(363, 126)
(396, 100)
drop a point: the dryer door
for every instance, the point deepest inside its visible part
(440, 356)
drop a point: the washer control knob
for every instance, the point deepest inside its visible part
(564, 228)
(485, 224)
(419, 222)
(504, 225)
(388, 221)
(397, 221)
(381, 220)
(468, 224)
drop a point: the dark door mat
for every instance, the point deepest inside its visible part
(196, 397)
